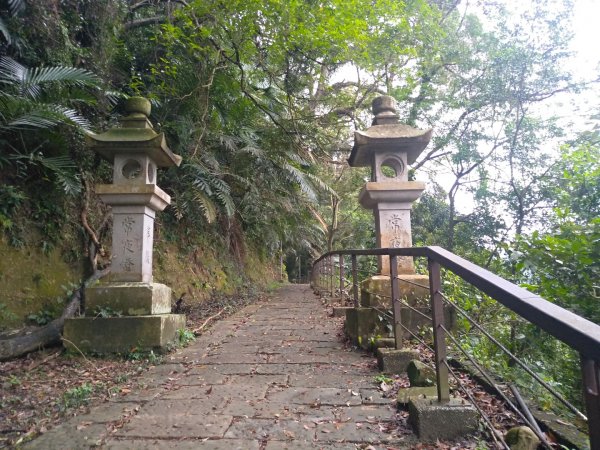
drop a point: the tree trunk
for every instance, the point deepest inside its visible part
(48, 335)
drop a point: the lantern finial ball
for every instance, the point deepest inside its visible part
(139, 105)
(384, 103)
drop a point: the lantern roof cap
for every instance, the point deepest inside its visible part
(387, 135)
(135, 136)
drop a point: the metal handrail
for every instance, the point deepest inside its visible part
(580, 334)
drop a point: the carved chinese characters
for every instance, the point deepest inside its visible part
(132, 244)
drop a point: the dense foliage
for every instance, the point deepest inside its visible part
(260, 98)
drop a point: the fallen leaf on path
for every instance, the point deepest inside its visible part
(83, 425)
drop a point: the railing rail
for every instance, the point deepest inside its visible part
(580, 334)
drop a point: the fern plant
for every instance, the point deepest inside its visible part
(33, 98)
(39, 100)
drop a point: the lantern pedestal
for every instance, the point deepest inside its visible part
(128, 299)
(122, 334)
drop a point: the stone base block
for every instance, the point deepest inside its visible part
(129, 299)
(340, 311)
(395, 361)
(376, 291)
(433, 420)
(385, 343)
(406, 394)
(335, 301)
(362, 324)
(121, 334)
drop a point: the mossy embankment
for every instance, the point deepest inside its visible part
(34, 285)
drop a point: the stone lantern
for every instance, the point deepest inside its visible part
(138, 309)
(389, 147)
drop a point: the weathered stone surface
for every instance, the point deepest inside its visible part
(420, 374)
(259, 381)
(121, 334)
(300, 358)
(223, 392)
(362, 324)
(376, 291)
(191, 444)
(433, 420)
(522, 438)
(176, 425)
(136, 151)
(303, 445)
(352, 432)
(269, 409)
(373, 397)
(111, 411)
(566, 432)
(329, 379)
(203, 377)
(384, 343)
(317, 396)
(234, 358)
(267, 429)
(405, 394)
(129, 299)
(395, 361)
(365, 413)
(340, 311)
(70, 435)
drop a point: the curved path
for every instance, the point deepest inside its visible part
(275, 375)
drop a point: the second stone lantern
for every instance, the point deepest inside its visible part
(389, 147)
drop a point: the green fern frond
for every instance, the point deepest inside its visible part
(29, 81)
(254, 151)
(42, 116)
(248, 136)
(321, 184)
(211, 162)
(16, 6)
(180, 206)
(202, 185)
(114, 97)
(207, 206)
(63, 169)
(5, 32)
(291, 156)
(229, 142)
(299, 177)
(227, 202)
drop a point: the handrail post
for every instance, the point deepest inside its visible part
(320, 277)
(331, 271)
(341, 260)
(439, 339)
(591, 391)
(355, 281)
(396, 306)
(323, 278)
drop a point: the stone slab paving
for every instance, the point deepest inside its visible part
(276, 375)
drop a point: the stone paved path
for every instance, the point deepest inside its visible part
(273, 376)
